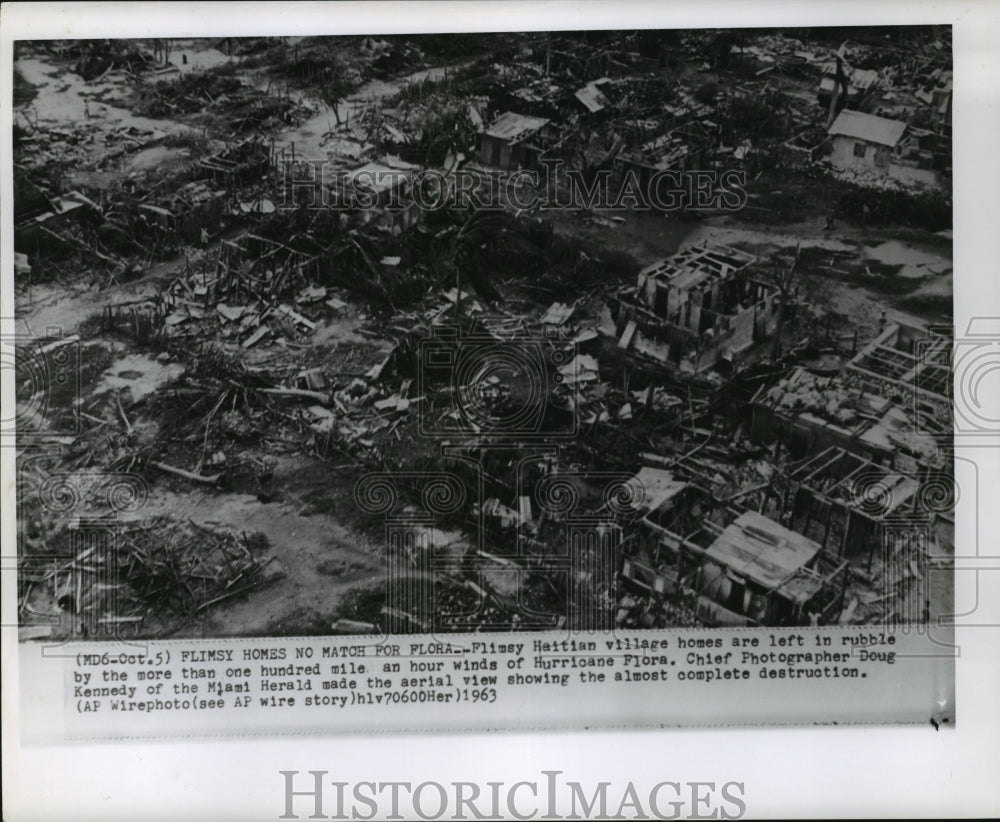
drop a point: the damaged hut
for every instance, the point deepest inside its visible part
(514, 141)
(696, 308)
(734, 568)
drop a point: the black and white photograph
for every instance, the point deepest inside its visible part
(483, 332)
(411, 369)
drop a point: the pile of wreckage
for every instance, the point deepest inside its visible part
(888, 404)
(227, 187)
(119, 575)
(748, 509)
(730, 535)
(846, 519)
(242, 106)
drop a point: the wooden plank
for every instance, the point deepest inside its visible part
(626, 340)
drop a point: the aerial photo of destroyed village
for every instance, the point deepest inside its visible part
(483, 332)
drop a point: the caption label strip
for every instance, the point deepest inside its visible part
(322, 685)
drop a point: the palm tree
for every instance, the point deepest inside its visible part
(483, 231)
(783, 282)
(336, 86)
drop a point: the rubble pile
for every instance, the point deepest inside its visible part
(165, 572)
(244, 108)
(827, 398)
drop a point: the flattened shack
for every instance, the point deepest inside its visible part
(860, 85)
(514, 141)
(684, 147)
(381, 194)
(53, 214)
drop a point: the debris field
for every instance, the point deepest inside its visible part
(271, 381)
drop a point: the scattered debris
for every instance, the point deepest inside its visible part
(735, 414)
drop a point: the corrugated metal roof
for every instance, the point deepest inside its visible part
(511, 126)
(652, 487)
(378, 176)
(591, 95)
(867, 127)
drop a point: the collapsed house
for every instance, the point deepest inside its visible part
(31, 228)
(696, 308)
(940, 101)
(195, 207)
(733, 568)
(251, 267)
(850, 504)
(864, 444)
(245, 161)
(908, 362)
(380, 193)
(861, 86)
(540, 98)
(682, 148)
(807, 413)
(515, 141)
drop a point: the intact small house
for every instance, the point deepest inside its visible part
(864, 141)
(514, 141)
(869, 143)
